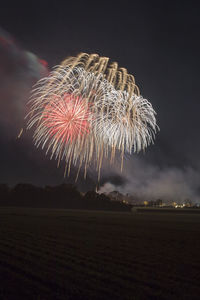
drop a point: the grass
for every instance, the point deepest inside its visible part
(63, 254)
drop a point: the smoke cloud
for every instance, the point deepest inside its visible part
(19, 70)
(145, 181)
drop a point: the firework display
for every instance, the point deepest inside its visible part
(88, 109)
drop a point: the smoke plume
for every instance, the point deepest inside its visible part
(145, 181)
(19, 70)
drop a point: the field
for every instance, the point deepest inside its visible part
(63, 254)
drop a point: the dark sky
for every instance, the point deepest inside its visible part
(157, 41)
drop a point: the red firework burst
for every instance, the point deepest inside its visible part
(67, 117)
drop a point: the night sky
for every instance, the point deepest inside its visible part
(157, 41)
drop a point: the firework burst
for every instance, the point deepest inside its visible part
(87, 109)
(65, 118)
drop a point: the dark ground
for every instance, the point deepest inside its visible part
(63, 254)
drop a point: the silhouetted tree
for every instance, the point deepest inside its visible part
(4, 193)
(61, 196)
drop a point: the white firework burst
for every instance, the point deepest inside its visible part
(102, 118)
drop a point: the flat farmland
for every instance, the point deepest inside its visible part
(71, 254)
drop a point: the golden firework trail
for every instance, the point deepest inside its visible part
(20, 133)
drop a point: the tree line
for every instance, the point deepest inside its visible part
(61, 196)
